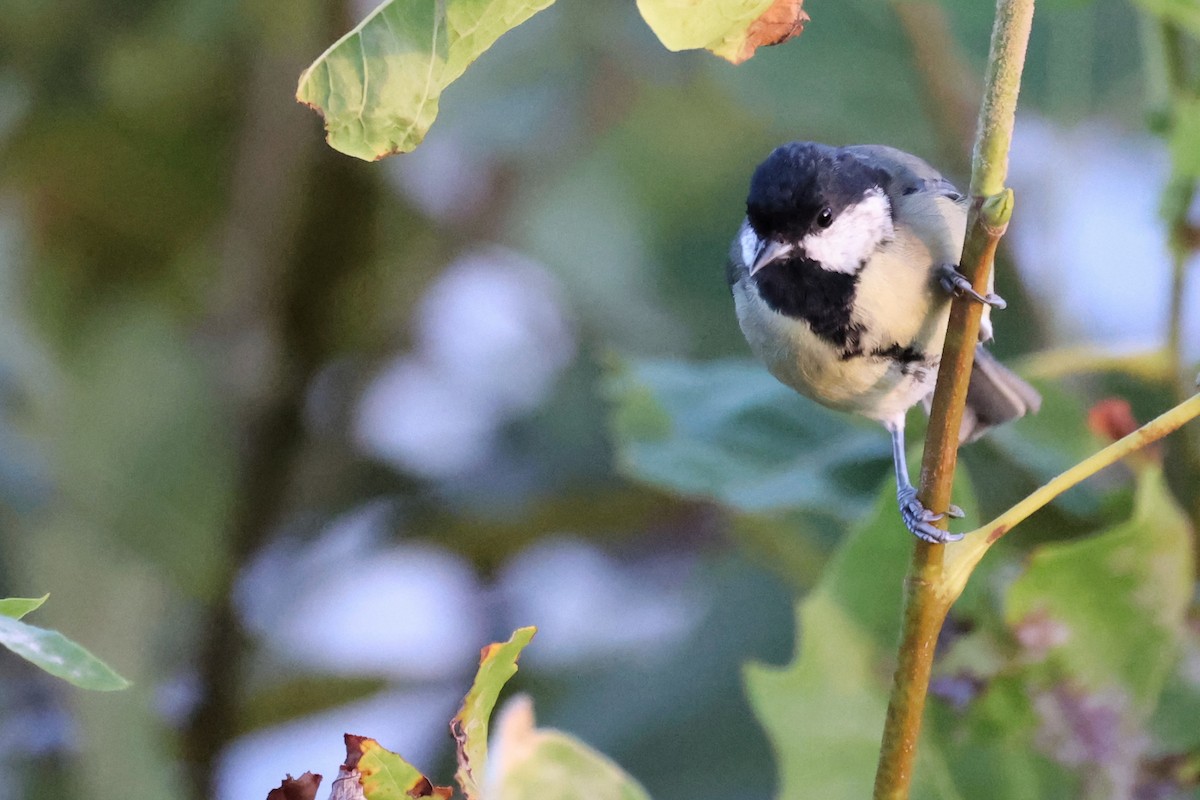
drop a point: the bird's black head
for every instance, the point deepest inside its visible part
(825, 206)
(803, 187)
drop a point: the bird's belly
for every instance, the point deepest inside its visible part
(875, 386)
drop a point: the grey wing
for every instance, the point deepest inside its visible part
(995, 395)
(910, 174)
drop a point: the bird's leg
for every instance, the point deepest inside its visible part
(916, 516)
(956, 284)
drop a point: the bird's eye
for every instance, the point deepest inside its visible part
(825, 218)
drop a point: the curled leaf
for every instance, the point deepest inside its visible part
(378, 86)
(497, 663)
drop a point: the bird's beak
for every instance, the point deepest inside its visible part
(769, 251)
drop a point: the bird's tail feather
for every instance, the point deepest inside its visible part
(995, 394)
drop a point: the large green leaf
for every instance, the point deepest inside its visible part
(1110, 608)
(58, 655)
(378, 86)
(988, 747)
(728, 431)
(824, 712)
(1174, 722)
(536, 764)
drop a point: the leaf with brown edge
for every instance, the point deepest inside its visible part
(783, 20)
(302, 788)
(497, 663)
(386, 776)
(731, 29)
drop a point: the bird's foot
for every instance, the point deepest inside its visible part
(956, 284)
(917, 518)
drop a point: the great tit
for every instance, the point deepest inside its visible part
(842, 275)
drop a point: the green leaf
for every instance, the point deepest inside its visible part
(378, 86)
(17, 607)
(1110, 608)
(497, 663)
(728, 431)
(59, 656)
(1174, 721)
(989, 747)
(824, 712)
(535, 764)
(721, 26)
(384, 775)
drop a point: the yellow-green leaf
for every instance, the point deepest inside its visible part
(385, 775)
(497, 663)
(17, 607)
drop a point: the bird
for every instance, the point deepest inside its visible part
(842, 276)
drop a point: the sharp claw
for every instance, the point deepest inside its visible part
(955, 283)
(917, 518)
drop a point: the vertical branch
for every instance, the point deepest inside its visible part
(991, 207)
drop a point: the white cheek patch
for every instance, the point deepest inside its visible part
(750, 244)
(854, 235)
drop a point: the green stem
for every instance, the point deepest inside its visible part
(991, 206)
(963, 557)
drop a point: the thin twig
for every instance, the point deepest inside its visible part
(963, 557)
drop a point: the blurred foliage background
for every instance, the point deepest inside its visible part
(288, 436)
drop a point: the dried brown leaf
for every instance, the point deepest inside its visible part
(302, 788)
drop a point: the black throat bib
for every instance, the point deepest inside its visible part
(801, 289)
